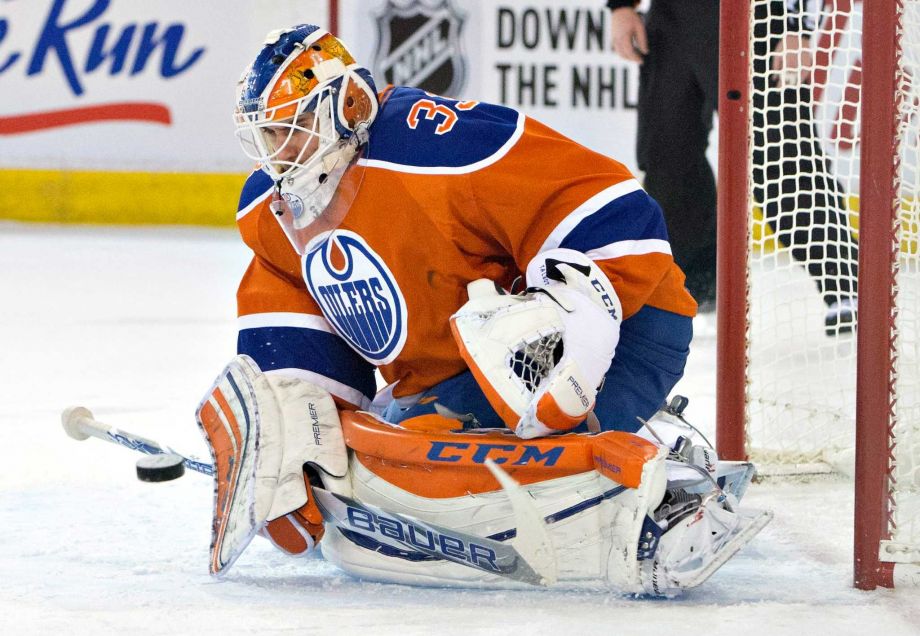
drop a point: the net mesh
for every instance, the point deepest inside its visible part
(904, 483)
(804, 176)
(802, 278)
(532, 362)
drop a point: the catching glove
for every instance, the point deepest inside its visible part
(541, 356)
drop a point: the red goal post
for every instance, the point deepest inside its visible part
(793, 197)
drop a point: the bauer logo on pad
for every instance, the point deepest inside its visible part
(358, 295)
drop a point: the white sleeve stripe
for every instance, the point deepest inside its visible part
(629, 248)
(249, 208)
(586, 209)
(473, 167)
(284, 319)
(347, 393)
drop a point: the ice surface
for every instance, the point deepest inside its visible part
(134, 324)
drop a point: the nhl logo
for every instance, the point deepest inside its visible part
(418, 44)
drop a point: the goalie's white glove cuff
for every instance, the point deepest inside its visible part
(562, 267)
(590, 312)
(589, 309)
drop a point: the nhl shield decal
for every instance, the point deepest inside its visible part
(358, 296)
(418, 44)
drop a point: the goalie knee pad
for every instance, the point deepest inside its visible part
(541, 356)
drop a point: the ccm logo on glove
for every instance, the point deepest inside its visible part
(605, 298)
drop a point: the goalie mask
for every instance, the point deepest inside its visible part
(303, 110)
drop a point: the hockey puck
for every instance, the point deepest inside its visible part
(162, 467)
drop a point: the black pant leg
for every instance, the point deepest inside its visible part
(675, 118)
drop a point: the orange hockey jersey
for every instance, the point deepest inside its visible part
(451, 192)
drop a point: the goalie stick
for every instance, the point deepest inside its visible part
(396, 530)
(79, 424)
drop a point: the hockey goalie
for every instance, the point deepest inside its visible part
(515, 292)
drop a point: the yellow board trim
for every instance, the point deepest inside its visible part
(764, 239)
(134, 198)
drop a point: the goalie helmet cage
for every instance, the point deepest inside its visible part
(793, 392)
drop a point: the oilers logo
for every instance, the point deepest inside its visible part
(294, 204)
(358, 295)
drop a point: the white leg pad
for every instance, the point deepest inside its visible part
(594, 527)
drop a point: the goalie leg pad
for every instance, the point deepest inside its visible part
(261, 430)
(229, 419)
(692, 453)
(593, 518)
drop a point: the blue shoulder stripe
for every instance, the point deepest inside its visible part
(632, 217)
(445, 134)
(310, 349)
(256, 185)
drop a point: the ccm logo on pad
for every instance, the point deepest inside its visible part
(478, 453)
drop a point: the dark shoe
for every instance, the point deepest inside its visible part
(840, 317)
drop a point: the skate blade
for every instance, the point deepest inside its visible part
(757, 520)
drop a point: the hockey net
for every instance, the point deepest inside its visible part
(792, 170)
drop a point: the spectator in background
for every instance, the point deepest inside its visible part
(678, 93)
(677, 47)
(787, 157)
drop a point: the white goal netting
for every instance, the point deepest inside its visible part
(802, 277)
